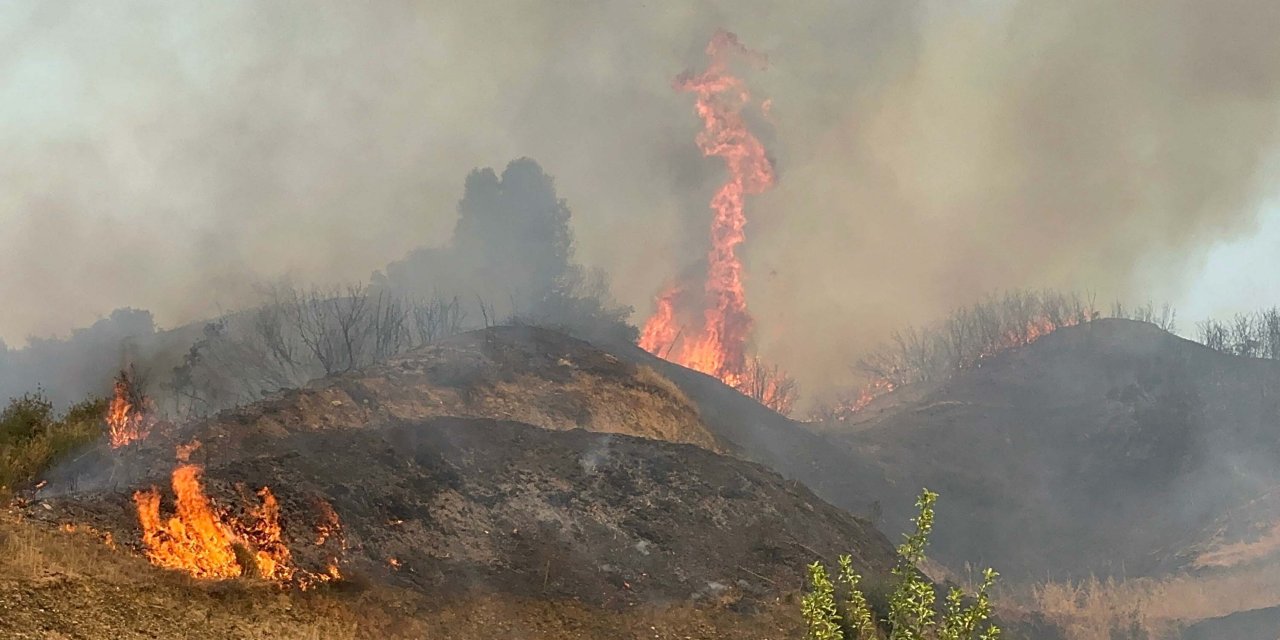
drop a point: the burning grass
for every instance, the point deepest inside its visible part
(56, 584)
(127, 416)
(207, 542)
(962, 341)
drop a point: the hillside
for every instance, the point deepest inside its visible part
(512, 471)
(755, 432)
(453, 504)
(1259, 624)
(1111, 448)
(523, 374)
(59, 584)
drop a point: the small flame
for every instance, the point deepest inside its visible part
(1035, 329)
(869, 393)
(328, 526)
(1021, 336)
(105, 536)
(126, 420)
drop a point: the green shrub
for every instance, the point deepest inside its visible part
(33, 437)
(912, 614)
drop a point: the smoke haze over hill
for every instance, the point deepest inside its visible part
(167, 156)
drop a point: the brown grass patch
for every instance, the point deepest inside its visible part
(1096, 609)
(56, 584)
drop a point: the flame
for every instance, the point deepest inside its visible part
(719, 345)
(1020, 336)
(105, 536)
(661, 331)
(1034, 329)
(203, 540)
(272, 556)
(328, 526)
(126, 420)
(195, 540)
(869, 393)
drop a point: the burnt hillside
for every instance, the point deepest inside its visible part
(1110, 448)
(511, 463)
(449, 504)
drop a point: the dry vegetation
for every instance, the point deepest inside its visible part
(972, 333)
(299, 335)
(1000, 322)
(1146, 608)
(1253, 335)
(67, 584)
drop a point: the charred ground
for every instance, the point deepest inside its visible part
(615, 498)
(450, 505)
(1109, 448)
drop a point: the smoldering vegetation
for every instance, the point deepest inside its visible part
(998, 322)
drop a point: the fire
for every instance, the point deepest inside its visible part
(328, 526)
(661, 331)
(105, 536)
(209, 543)
(1024, 335)
(272, 556)
(195, 540)
(716, 343)
(126, 419)
(1020, 335)
(869, 393)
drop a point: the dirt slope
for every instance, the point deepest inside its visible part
(755, 432)
(458, 503)
(1259, 624)
(57, 585)
(1109, 448)
(525, 374)
(549, 530)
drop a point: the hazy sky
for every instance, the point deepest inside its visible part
(1238, 276)
(167, 155)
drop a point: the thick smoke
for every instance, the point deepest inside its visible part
(166, 155)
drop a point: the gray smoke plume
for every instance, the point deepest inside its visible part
(167, 155)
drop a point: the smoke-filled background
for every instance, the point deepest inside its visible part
(169, 156)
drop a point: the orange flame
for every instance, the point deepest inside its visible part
(202, 540)
(1035, 329)
(264, 534)
(195, 540)
(126, 421)
(1021, 336)
(661, 331)
(869, 393)
(719, 346)
(328, 526)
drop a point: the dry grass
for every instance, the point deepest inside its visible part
(649, 376)
(1151, 608)
(1239, 553)
(57, 584)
